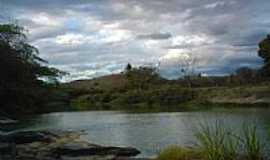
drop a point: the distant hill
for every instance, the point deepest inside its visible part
(105, 82)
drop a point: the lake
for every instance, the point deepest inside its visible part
(149, 132)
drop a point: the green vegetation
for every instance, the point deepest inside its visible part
(22, 90)
(163, 94)
(179, 153)
(264, 52)
(216, 142)
(219, 143)
(254, 148)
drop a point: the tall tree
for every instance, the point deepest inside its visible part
(21, 72)
(128, 67)
(264, 52)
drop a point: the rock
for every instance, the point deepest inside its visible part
(5, 120)
(45, 145)
(4, 148)
(81, 149)
(106, 157)
(131, 158)
(28, 137)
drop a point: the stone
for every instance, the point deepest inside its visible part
(47, 145)
(106, 157)
(28, 137)
(4, 148)
(81, 149)
(4, 120)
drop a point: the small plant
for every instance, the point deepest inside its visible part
(219, 143)
(178, 153)
(231, 146)
(211, 140)
(253, 147)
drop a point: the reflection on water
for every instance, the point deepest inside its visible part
(149, 132)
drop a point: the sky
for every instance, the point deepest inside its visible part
(91, 38)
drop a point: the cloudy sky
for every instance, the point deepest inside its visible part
(89, 38)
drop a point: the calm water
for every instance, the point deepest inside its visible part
(149, 132)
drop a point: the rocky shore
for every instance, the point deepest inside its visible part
(59, 145)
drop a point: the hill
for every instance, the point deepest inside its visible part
(113, 81)
(119, 91)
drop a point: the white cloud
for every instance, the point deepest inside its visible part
(44, 19)
(174, 56)
(194, 40)
(111, 35)
(73, 39)
(214, 5)
(76, 32)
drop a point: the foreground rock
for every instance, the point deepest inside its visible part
(78, 149)
(45, 145)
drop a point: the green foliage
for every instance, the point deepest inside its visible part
(142, 78)
(128, 68)
(254, 148)
(264, 52)
(219, 143)
(245, 75)
(21, 70)
(178, 153)
(216, 143)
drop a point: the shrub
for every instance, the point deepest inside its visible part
(178, 153)
(254, 148)
(219, 143)
(211, 140)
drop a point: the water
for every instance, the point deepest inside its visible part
(149, 132)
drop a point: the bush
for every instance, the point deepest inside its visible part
(216, 142)
(178, 153)
(219, 143)
(254, 148)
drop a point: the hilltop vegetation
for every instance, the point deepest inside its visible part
(123, 91)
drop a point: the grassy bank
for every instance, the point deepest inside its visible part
(114, 93)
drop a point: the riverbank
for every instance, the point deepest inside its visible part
(59, 145)
(166, 97)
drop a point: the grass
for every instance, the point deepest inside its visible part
(215, 142)
(254, 148)
(178, 153)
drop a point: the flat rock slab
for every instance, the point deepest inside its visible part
(107, 157)
(58, 145)
(81, 149)
(28, 137)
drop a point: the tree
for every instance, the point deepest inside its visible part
(246, 75)
(141, 78)
(21, 72)
(264, 52)
(128, 67)
(187, 66)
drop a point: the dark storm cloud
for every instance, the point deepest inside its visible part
(78, 34)
(155, 36)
